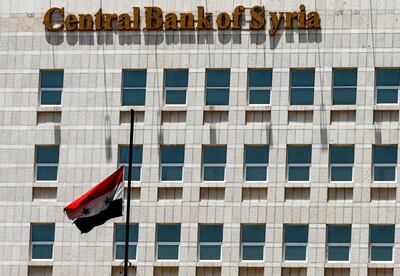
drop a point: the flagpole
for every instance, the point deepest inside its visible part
(128, 199)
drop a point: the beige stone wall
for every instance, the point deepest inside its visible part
(361, 33)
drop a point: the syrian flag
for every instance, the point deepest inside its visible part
(99, 204)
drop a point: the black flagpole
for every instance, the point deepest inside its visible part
(128, 198)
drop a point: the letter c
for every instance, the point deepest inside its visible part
(47, 20)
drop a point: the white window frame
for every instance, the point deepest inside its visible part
(213, 244)
(261, 88)
(341, 165)
(381, 87)
(380, 245)
(37, 165)
(168, 244)
(166, 89)
(298, 244)
(333, 244)
(392, 165)
(299, 165)
(55, 90)
(252, 244)
(174, 165)
(123, 243)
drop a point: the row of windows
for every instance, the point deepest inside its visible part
(344, 89)
(210, 240)
(256, 162)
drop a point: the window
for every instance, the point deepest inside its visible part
(385, 162)
(296, 240)
(341, 160)
(381, 243)
(176, 82)
(136, 161)
(210, 241)
(168, 238)
(387, 85)
(338, 242)
(253, 240)
(217, 91)
(260, 82)
(134, 87)
(42, 241)
(172, 160)
(51, 85)
(47, 163)
(119, 241)
(344, 86)
(256, 163)
(214, 159)
(302, 86)
(299, 162)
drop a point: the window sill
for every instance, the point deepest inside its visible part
(213, 184)
(387, 264)
(255, 263)
(212, 263)
(344, 107)
(168, 184)
(394, 107)
(216, 108)
(384, 184)
(344, 264)
(181, 107)
(166, 263)
(134, 184)
(134, 107)
(120, 263)
(50, 108)
(294, 264)
(340, 184)
(45, 184)
(261, 184)
(301, 108)
(258, 107)
(40, 263)
(298, 184)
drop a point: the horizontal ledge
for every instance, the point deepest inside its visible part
(49, 109)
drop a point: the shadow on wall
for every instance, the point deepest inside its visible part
(182, 37)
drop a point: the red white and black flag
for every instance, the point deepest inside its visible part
(99, 204)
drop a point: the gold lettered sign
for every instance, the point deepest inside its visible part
(156, 20)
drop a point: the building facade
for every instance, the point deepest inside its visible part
(257, 152)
